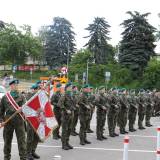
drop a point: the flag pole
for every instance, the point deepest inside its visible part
(12, 116)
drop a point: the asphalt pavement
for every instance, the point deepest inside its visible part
(142, 146)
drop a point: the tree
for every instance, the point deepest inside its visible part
(81, 57)
(16, 45)
(33, 44)
(152, 75)
(60, 42)
(98, 38)
(43, 34)
(120, 76)
(137, 45)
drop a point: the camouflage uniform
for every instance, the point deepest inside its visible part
(132, 112)
(123, 113)
(102, 109)
(91, 99)
(112, 114)
(156, 105)
(15, 124)
(84, 117)
(57, 111)
(149, 109)
(76, 112)
(67, 107)
(141, 110)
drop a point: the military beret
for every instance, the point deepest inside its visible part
(14, 81)
(74, 86)
(91, 87)
(132, 90)
(35, 86)
(141, 90)
(38, 82)
(123, 89)
(113, 89)
(148, 91)
(101, 87)
(58, 85)
(86, 86)
(68, 85)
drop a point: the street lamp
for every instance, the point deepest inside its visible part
(89, 60)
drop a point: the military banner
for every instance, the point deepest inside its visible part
(39, 113)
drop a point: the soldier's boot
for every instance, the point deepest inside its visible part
(122, 131)
(99, 138)
(132, 129)
(111, 134)
(148, 124)
(29, 156)
(104, 137)
(70, 146)
(89, 131)
(87, 142)
(125, 131)
(74, 133)
(140, 126)
(82, 141)
(35, 155)
(99, 135)
(56, 135)
(65, 146)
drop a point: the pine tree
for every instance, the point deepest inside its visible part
(98, 38)
(60, 42)
(137, 45)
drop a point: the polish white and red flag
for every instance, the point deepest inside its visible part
(39, 113)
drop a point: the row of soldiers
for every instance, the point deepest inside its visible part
(117, 106)
(72, 106)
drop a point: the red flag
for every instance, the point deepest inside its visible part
(40, 115)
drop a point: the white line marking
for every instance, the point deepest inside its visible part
(98, 149)
(130, 135)
(139, 136)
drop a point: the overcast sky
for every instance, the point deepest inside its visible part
(79, 12)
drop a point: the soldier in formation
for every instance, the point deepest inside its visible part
(66, 104)
(15, 124)
(57, 110)
(76, 110)
(102, 110)
(32, 137)
(117, 106)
